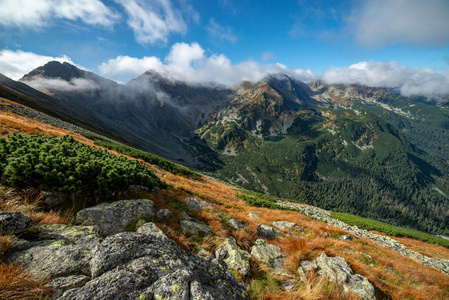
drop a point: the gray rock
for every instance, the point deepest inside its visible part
(163, 213)
(302, 274)
(140, 223)
(236, 224)
(270, 255)
(148, 265)
(185, 216)
(235, 258)
(196, 204)
(62, 284)
(290, 226)
(114, 217)
(52, 200)
(14, 223)
(307, 265)
(204, 253)
(253, 215)
(138, 189)
(335, 269)
(59, 251)
(195, 228)
(268, 232)
(346, 237)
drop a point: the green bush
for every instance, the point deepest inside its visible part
(146, 156)
(259, 202)
(388, 229)
(65, 165)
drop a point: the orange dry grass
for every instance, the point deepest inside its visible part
(16, 283)
(424, 248)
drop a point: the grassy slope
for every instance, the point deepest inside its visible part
(404, 282)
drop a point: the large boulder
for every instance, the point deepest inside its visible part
(335, 269)
(195, 228)
(58, 250)
(268, 232)
(236, 258)
(196, 204)
(148, 265)
(111, 218)
(270, 255)
(14, 223)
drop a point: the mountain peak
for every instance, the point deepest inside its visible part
(55, 69)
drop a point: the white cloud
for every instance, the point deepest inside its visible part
(76, 84)
(410, 81)
(188, 62)
(383, 22)
(154, 20)
(266, 56)
(219, 32)
(15, 64)
(39, 13)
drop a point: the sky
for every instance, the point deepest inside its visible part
(391, 43)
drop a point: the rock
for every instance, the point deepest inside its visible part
(302, 274)
(52, 200)
(204, 253)
(163, 213)
(236, 224)
(269, 254)
(115, 217)
(195, 228)
(137, 189)
(253, 215)
(307, 265)
(335, 269)
(235, 258)
(59, 251)
(290, 226)
(14, 223)
(185, 216)
(148, 265)
(62, 284)
(140, 223)
(346, 237)
(268, 232)
(196, 204)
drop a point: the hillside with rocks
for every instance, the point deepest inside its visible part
(191, 237)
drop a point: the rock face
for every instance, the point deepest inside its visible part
(62, 284)
(114, 217)
(335, 269)
(195, 228)
(59, 251)
(269, 254)
(235, 258)
(268, 232)
(148, 265)
(196, 204)
(14, 223)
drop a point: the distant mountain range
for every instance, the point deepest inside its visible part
(350, 148)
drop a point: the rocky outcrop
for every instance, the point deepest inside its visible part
(62, 284)
(335, 269)
(268, 232)
(235, 258)
(270, 255)
(58, 251)
(385, 241)
(148, 265)
(195, 228)
(196, 204)
(115, 217)
(14, 223)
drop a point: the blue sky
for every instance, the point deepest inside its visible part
(366, 41)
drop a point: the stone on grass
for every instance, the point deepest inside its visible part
(111, 218)
(236, 224)
(286, 225)
(196, 204)
(235, 258)
(268, 232)
(163, 213)
(253, 215)
(14, 223)
(270, 255)
(195, 228)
